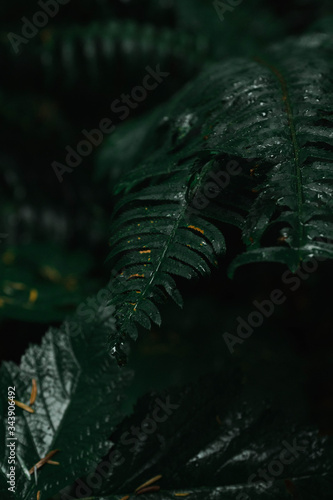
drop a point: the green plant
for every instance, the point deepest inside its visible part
(202, 166)
(234, 169)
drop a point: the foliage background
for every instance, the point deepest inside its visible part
(57, 232)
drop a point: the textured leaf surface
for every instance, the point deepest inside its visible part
(216, 442)
(156, 233)
(79, 390)
(247, 143)
(292, 120)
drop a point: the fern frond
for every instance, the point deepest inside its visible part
(159, 230)
(154, 238)
(292, 118)
(80, 56)
(277, 125)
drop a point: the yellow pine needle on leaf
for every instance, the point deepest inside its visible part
(149, 482)
(149, 489)
(33, 392)
(33, 295)
(22, 405)
(43, 461)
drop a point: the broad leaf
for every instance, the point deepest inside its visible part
(79, 391)
(213, 440)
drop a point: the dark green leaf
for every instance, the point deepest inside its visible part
(218, 440)
(204, 165)
(79, 390)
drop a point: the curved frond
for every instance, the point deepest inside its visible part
(154, 237)
(249, 143)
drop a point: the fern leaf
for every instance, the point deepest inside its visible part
(290, 220)
(157, 231)
(152, 239)
(274, 122)
(77, 56)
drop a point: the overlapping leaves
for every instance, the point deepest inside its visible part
(247, 143)
(79, 392)
(215, 440)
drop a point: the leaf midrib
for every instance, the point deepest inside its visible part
(160, 261)
(296, 149)
(184, 206)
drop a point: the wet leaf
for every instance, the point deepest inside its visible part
(79, 394)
